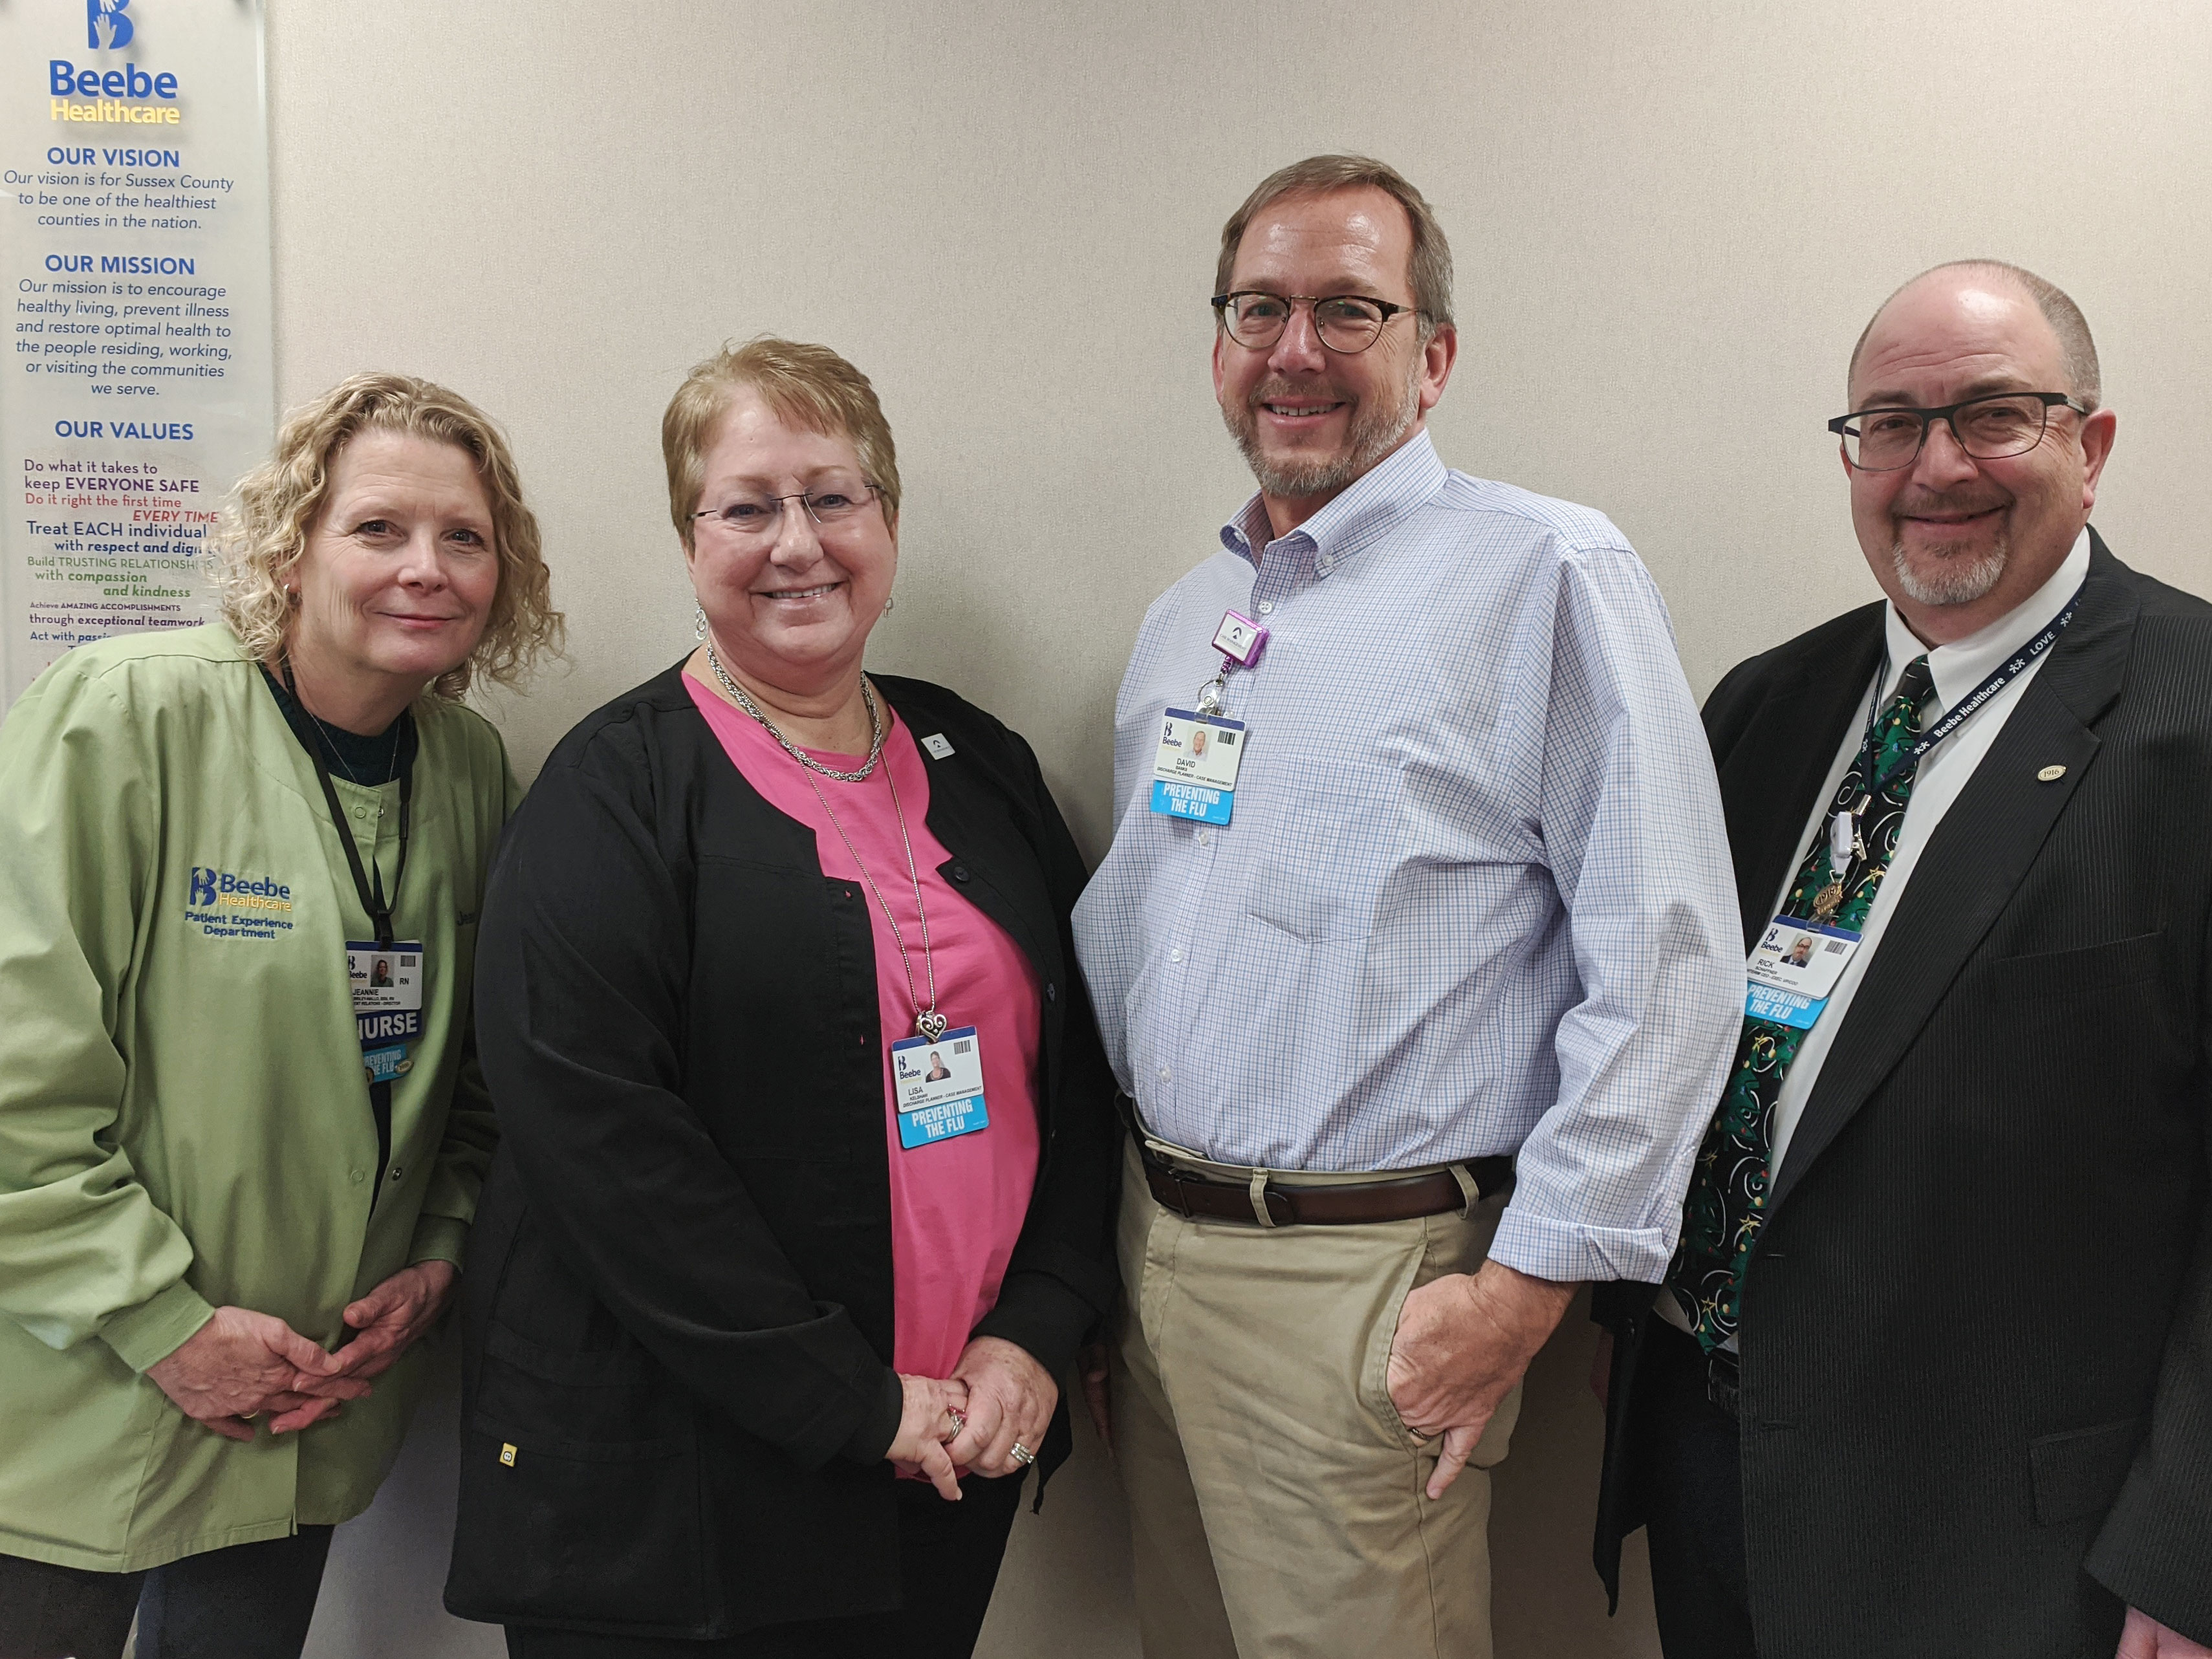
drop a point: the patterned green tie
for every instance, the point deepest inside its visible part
(1727, 1199)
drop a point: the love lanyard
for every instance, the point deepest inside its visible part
(1194, 767)
(1797, 963)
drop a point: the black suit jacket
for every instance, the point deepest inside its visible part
(1977, 1336)
(678, 1313)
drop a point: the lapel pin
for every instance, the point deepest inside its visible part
(2050, 774)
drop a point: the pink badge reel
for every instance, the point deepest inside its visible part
(1240, 639)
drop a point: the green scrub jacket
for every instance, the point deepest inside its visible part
(184, 1120)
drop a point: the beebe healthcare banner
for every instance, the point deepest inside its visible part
(135, 141)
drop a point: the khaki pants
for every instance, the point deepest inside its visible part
(1275, 1498)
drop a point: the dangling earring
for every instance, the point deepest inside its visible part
(889, 600)
(698, 620)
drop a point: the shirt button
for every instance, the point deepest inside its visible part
(356, 1176)
(1165, 1073)
(1175, 955)
(397, 1173)
(360, 812)
(1267, 607)
(1052, 993)
(1205, 838)
(959, 872)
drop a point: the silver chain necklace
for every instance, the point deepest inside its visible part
(875, 728)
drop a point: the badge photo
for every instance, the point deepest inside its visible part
(385, 976)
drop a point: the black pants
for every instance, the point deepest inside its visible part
(1687, 1452)
(249, 1601)
(949, 1557)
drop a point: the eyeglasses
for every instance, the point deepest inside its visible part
(1987, 428)
(834, 504)
(1346, 322)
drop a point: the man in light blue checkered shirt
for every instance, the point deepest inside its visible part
(1473, 902)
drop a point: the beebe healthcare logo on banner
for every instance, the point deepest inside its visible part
(136, 239)
(105, 25)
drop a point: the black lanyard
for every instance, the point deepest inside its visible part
(2005, 674)
(369, 883)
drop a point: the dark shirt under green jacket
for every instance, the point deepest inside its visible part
(184, 1120)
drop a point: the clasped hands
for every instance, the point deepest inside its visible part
(1463, 1342)
(241, 1364)
(998, 1398)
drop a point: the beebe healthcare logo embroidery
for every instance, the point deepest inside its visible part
(223, 904)
(130, 95)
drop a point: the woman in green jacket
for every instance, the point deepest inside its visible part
(240, 1131)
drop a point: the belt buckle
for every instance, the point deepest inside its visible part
(1178, 1186)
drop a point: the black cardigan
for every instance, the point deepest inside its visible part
(678, 1313)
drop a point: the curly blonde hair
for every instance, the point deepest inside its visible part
(266, 521)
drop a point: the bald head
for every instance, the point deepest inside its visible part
(2068, 325)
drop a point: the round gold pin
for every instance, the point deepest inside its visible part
(2050, 774)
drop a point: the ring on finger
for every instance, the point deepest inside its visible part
(959, 1422)
(1022, 1455)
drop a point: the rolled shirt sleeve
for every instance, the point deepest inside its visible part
(1631, 819)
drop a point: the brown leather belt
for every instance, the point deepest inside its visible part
(1341, 1204)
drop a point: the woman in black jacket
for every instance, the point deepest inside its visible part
(745, 1257)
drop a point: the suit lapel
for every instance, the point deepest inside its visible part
(1974, 861)
(1771, 774)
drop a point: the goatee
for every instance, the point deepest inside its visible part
(1953, 578)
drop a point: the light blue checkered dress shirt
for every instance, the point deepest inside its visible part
(1475, 896)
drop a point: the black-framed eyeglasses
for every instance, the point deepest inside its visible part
(1347, 323)
(751, 515)
(1987, 428)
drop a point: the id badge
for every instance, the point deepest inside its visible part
(1194, 769)
(939, 1087)
(1794, 969)
(387, 1004)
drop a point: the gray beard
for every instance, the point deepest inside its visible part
(1957, 580)
(1374, 433)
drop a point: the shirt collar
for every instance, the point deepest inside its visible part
(1960, 666)
(1370, 508)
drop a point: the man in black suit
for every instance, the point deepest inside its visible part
(1932, 1371)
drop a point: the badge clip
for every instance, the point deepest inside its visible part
(1239, 639)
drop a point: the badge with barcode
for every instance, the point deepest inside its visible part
(386, 981)
(1794, 969)
(1194, 769)
(938, 1084)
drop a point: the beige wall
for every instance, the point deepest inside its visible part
(1670, 224)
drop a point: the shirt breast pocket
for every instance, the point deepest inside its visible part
(1330, 833)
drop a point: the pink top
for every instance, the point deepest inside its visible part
(957, 1204)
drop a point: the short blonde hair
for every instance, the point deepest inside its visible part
(1429, 267)
(266, 521)
(808, 386)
